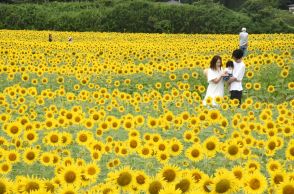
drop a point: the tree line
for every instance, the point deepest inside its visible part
(203, 16)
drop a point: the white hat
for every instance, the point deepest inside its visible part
(243, 29)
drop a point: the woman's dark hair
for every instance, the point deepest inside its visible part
(213, 62)
(230, 64)
(237, 54)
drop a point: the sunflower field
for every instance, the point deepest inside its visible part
(119, 113)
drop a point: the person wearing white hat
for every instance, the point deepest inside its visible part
(243, 40)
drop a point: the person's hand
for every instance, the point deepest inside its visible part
(224, 74)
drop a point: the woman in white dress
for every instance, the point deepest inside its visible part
(215, 79)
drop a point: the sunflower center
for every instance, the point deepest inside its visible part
(254, 184)
(222, 186)
(133, 144)
(206, 186)
(155, 187)
(238, 174)
(5, 167)
(31, 186)
(91, 171)
(175, 148)
(233, 150)
(49, 187)
(273, 167)
(292, 151)
(145, 151)
(183, 185)
(69, 192)
(124, 179)
(169, 175)
(83, 138)
(2, 188)
(272, 145)
(12, 157)
(197, 177)
(54, 138)
(195, 153)
(106, 191)
(161, 147)
(140, 179)
(70, 177)
(30, 155)
(210, 146)
(14, 129)
(278, 179)
(30, 136)
(288, 189)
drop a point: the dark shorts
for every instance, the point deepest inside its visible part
(235, 94)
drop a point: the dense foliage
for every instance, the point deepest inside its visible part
(146, 16)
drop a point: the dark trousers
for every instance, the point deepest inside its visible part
(235, 94)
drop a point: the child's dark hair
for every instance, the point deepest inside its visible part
(237, 54)
(230, 64)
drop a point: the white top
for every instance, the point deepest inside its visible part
(228, 70)
(243, 38)
(238, 72)
(214, 90)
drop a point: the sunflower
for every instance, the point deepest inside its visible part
(197, 175)
(5, 168)
(170, 189)
(238, 172)
(277, 177)
(84, 137)
(27, 185)
(284, 73)
(186, 183)
(53, 138)
(291, 85)
(289, 152)
(271, 89)
(88, 123)
(30, 155)
(6, 186)
(70, 174)
(91, 171)
(286, 187)
(141, 180)
(68, 189)
(155, 185)
(188, 136)
(205, 185)
(124, 178)
(210, 146)
(175, 147)
(46, 158)
(163, 157)
(144, 151)
(257, 86)
(14, 129)
(249, 74)
(252, 165)
(128, 124)
(233, 150)
(255, 183)
(152, 122)
(12, 156)
(225, 182)
(214, 116)
(169, 173)
(195, 152)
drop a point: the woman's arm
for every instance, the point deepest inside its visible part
(218, 79)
